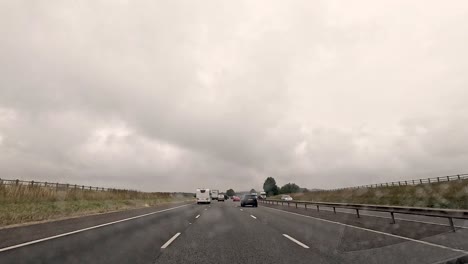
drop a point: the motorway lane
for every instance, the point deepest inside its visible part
(351, 244)
(134, 241)
(23, 233)
(225, 234)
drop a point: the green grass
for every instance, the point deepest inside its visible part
(452, 195)
(21, 204)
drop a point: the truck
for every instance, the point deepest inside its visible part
(214, 194)
(203, 196)
(262, 195)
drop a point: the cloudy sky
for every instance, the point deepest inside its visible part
(175, 95)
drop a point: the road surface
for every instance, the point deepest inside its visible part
(223, 232)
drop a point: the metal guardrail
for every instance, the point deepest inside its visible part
(448, 178)
(424, 211)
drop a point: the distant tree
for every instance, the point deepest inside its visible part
(230, 192)
(253, 191)
(290, 188)
(270, 187)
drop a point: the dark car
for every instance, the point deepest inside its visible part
(249, 199)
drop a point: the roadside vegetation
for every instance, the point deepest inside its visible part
(453, 195)
(21, 203)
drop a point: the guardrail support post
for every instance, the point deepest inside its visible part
(357, 213)
(282, 204)
(296, 205)
(393, 218)
(318, 209)
(305, 206)
(451, 224)
(288, 204)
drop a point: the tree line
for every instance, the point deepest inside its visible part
(270, 187)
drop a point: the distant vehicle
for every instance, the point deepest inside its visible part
(235, 198)
(262, 195)
(203, 196)
(249, 199)
(286, 198)
(214, 194)
(221, 197)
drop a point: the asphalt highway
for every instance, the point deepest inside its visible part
(223, 232)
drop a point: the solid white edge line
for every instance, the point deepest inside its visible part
(85, 229)
(375, 231)
(296, 241)
(170, 240)
(197, 216)
(253, 217)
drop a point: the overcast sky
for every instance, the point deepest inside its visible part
(175, 95)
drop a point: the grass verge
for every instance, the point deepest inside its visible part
(452, 195)
(22, 204)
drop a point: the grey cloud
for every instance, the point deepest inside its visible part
(171, 96)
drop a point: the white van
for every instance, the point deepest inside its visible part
(203, 196)
(214, 194)
(262, 195)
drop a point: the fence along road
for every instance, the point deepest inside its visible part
(457, 177)
(52, 185)
(432, 212)
(67, 186)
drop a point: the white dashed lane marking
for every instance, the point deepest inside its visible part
(296, 241)
(170, 240)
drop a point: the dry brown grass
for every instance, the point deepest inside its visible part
(452, 194)
(20, 204)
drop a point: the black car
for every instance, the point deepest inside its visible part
(249, 199)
